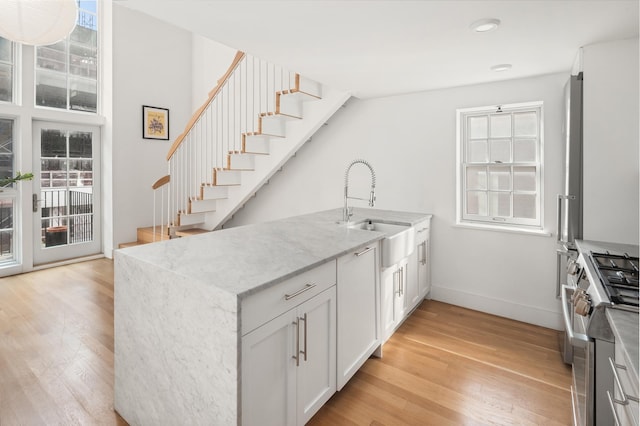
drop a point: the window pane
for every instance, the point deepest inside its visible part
(51, 89)
(501, 126)
(524, 206)
(525, 124)
(83, 60)
(80, 172)
(6, 82)
(52, 57)
(478, 127)
(83, 95)
(501, 150)
(6, 148)
(80, 145)
(524, 178)
(477, 151)
(477, 203)
(476, 178)
(6, 229)
(53, 144)
(524, 150)
(6, 50)
(500, 204)
(500, 178)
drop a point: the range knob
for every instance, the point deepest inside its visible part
(578, 294)
(583, 306)
(573, 268)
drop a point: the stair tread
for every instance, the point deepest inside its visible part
(192, 231)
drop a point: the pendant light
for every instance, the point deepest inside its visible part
(37, 22)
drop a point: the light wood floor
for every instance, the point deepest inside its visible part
(445, 366)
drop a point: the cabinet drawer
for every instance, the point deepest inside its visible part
(265, 305)
(422, 231)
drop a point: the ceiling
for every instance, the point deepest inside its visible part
(382, 48)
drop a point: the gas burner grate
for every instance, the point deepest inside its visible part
(619, 277)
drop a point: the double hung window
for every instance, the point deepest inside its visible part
(500, 166)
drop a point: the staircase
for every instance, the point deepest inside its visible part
(256, 118)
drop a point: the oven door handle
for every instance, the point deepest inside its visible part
(577, 340)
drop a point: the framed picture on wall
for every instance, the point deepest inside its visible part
(155, 123)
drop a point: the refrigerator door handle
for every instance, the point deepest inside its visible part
(559, 221)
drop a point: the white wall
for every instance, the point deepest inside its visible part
(210, 60)
(410, 141)
(151, 66)
(611, 137)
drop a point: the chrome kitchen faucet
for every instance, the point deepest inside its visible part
(347, 212)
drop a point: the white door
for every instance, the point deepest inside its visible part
(66, 192)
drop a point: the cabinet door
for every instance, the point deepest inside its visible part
(424, 270)
(269, 373)
(389, 296)
(358, 333)
(412, 294)
(316, 373)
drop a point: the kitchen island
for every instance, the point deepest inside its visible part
(178, 309)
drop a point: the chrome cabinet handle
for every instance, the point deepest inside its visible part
(297, 355)
(424, 253)
(401, 282)
(576, 339)
(613, 409)
(366, 250)
(299, 292)
(625, 397)
(304, 352)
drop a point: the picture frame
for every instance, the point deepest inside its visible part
(155, 123)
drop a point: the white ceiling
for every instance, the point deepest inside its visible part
(380, 48)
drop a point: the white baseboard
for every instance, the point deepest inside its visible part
(503, 308)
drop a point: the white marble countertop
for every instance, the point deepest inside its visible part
(250, 258)
(624, 324)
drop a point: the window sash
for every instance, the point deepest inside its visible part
(500, 167)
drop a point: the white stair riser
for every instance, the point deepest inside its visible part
(191, 219)
(201, 206)
(257, 144)
(242, 162)
(228, 177)
(311, 87)
(273, 125)
(214, 192)
(291, 105)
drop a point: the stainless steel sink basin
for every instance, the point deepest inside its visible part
(398, 243)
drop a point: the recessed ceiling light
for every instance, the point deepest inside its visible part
(485, 25)
(501, 67)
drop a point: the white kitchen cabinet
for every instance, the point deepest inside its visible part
(423, 258)
(289, 364)
(624, 400)
(359, 330)
(412, 291)
(393, 300)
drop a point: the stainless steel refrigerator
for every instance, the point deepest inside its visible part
(570, 202)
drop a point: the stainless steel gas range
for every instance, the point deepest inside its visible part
(604, 276)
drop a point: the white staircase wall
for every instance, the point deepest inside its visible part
(315, 114)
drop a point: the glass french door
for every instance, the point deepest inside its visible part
(66, 192)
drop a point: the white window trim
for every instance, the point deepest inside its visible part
(537, 228)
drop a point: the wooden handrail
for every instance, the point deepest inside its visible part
(161, 182)
(214, 92)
